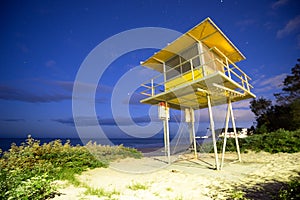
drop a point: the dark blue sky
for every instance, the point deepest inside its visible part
(43, 44)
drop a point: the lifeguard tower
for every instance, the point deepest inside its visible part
(196, 69)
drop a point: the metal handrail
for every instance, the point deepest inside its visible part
(151, 90)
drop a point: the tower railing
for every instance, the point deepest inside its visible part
(175, 76)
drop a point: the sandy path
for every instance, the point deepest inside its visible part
(187, 178)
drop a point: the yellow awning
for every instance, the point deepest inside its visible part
(206, 32)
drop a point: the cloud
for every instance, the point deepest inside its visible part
(89, 121)
(279, 3)
(68, 121)
(292, 26)
(270, 83)
(59, 91)
(11, 93)
(122, 121)
(243, 115)
(68, 86)
(12, 120)
(274, 81)
(241, 104)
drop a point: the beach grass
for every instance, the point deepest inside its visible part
(101, 192)
(27, 171)
(138, 186)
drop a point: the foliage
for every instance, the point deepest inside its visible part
(286, 112)
(237, 195)
(274, 142)
(260, 106)
(23, 168)
(138, 186)
(291, 90)
(37, 187)
(100, 192)
(290, 191)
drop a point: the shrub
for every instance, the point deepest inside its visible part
(274, 142)
(27, 170)
(290, 191)
(37, 187)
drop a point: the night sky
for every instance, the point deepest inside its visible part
(44, 43)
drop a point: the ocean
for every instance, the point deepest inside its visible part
(138, 143)
(142, 144)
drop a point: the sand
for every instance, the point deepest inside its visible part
(258, 176)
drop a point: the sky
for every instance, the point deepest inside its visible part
(45, 43)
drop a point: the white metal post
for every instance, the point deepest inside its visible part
(152, 87)
(165, 136)
(228, 68)
(167, 133)
(192, 69)
(247, 83)
(202, 60)
(225, 133)
(212, 127)
(235, 133)
(192, 131)
(165, 73)
(168, 140)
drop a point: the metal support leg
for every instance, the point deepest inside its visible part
(167, 134)
(168, 140)
(235, 133)
(212, 127)
(225, 134)
(192, 131)
(165, 137)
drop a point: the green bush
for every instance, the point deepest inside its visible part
(290, 191)
(37, 187)
(26, 171)
(274, 142)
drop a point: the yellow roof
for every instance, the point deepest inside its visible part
(206, 32)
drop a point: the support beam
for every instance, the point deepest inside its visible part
(165, 136)
(225, 134)
(165, 72)
(167, 140)
(167, 133)
(202, 60)
(192, 130)
(212, 127)
(228, 90)
(235, 133)
(228, 114)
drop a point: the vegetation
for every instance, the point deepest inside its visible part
(138, 186)
(286, 112)
(272, 121)
(26, 171)
(274, 142)
(290, 191)
(100, 192)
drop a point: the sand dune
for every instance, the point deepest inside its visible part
(187, 178)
